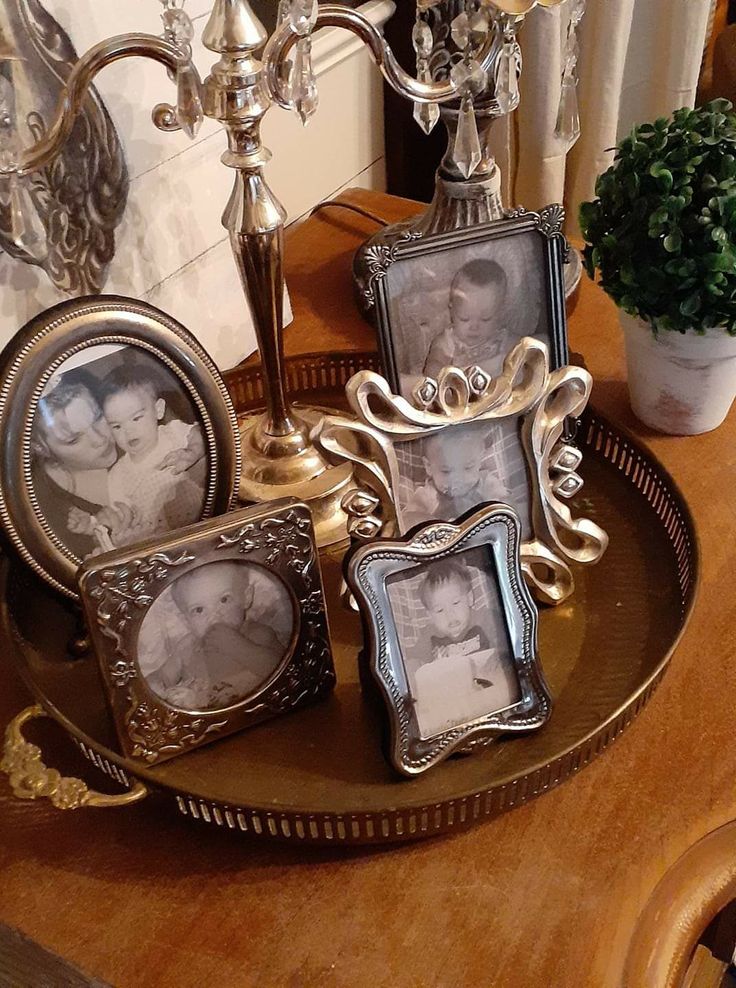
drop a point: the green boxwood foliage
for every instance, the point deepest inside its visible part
(662, 230)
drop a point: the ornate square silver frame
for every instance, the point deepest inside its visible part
(541, 400)
(36, 354)
(119, 590)
(369, 568)
(547, 223)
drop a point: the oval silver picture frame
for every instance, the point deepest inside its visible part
(39, 351)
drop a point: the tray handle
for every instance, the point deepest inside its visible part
(31, 779)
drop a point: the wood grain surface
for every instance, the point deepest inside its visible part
(546, 896)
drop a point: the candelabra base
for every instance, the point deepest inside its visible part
(275, 467)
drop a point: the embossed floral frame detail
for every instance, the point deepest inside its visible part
(368, 569)
(29, 362)
(547, 223)
(542, 401)
(119, 589)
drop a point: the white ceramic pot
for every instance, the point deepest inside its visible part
(679, 383)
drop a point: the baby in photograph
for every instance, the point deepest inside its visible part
(476, 334)
(461, 472)
(160, 472)
(467, 675)
(227, 653)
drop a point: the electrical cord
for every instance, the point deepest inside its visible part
(355, 209)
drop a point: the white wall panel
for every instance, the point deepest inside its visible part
(171, 245)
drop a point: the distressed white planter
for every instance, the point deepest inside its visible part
(679, 383)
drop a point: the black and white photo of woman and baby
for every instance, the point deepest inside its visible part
(118, 454)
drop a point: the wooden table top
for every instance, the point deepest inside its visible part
(547, 895)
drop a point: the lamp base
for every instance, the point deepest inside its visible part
(275, 467)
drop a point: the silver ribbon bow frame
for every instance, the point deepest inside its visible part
(541, 400)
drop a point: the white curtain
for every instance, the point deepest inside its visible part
(639, 59)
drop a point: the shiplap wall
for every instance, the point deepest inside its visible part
(172, 249)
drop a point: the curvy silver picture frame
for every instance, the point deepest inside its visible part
(548, 224)
(120, 589)
(526, 391)
(38, 351)
(368, 570)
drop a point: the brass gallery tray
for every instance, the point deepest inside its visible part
(318, 775)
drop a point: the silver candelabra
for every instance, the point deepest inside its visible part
(252, 72)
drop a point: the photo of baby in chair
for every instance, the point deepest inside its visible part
(454, 642)
(217, 635)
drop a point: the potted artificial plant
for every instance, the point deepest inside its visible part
(662, 236)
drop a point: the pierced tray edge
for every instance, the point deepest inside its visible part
(410, 822)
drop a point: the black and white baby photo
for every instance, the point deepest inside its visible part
(453, 640)
(216, 636)
(118, 453)
(445, 475)
(466, 306)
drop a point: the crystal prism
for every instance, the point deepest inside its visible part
(26, 227)
(426, 115)
(460, 30)
(422, 39)
(9, 140)
(507, 77)
(189, 113)
(303, 16)
(466, 149)
(469, 76)
(178, 26)
(5, 187)
(302, 89)
(479, 25)
(567, 128)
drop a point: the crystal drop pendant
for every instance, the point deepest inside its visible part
(178, 26)
(189, 113)
(26, 228)
(422, 39)
(303, 16)
(466, 149)
(5, 187)
(479, 24)
(567, 128)
(460, 30)
(469, 76)
(507, 77)
(426, 115)
(303, 93)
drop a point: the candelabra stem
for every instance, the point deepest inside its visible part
(279, 459)
(258, 251)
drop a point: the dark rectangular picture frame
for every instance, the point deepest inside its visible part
(548, 223)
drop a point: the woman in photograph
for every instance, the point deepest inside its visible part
(73, 450)
(112, 463)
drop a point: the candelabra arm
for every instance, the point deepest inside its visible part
(336, 15)
(80, 79)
